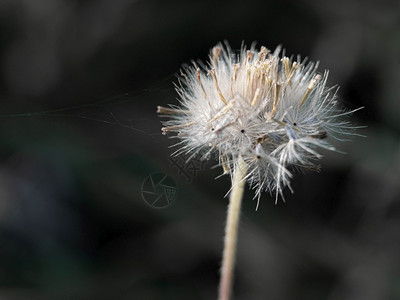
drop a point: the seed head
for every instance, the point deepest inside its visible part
(271, 110)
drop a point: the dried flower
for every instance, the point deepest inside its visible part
(271, 110)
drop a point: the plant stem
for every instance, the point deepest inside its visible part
(231, 230)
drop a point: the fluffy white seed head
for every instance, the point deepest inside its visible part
(271, 110)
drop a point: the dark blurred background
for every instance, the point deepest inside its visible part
(79, 86)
